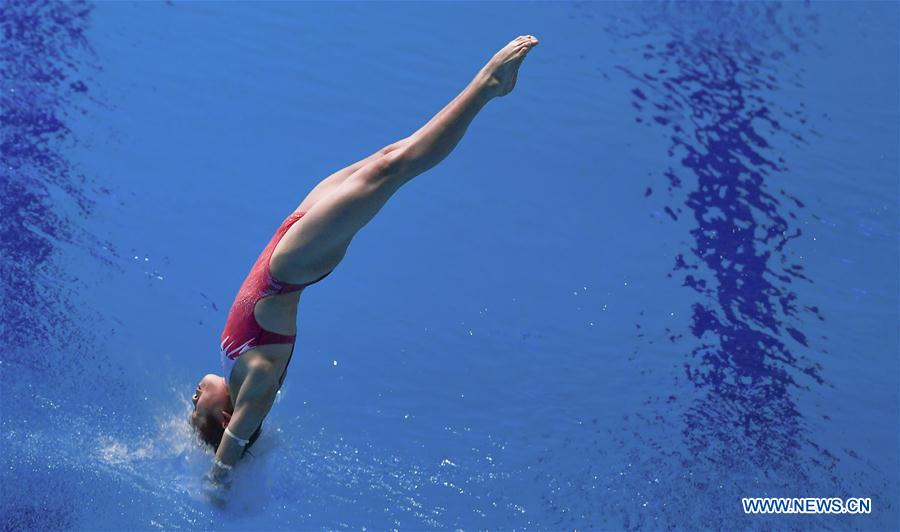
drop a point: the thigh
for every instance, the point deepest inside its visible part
(318, 241)
(330, 183)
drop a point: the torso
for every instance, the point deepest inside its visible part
(264, 313)
(277, 314)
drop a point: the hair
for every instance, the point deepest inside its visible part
(209, 431)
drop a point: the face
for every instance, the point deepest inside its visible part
(211, 401)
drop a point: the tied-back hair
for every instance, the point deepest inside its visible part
(210, 432)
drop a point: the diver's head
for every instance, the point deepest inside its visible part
(212, 409)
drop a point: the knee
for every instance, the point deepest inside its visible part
(394, 164)
(392, 147)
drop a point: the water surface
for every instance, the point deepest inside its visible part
(660, 276)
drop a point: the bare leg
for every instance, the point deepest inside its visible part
(317, 242)
(330, 183)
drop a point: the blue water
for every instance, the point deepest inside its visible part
(660, 276)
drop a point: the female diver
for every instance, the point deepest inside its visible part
(258, 339)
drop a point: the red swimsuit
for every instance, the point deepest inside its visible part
(242, 332)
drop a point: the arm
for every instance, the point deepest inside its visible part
(253, 402)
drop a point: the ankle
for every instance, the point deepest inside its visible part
(485, 86)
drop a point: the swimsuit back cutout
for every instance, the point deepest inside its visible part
(242, 332)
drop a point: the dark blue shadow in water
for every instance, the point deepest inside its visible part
(711, 85)
(711, 90)
(42, 199)
(707, 76)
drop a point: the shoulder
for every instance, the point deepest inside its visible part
(261, 382)
(262, 364)
(270, 361)
(260, 367)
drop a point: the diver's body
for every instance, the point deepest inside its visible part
(257, 343)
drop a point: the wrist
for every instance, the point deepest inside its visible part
(218, 464)
(220, 472)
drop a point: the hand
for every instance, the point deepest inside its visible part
(217, 484)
